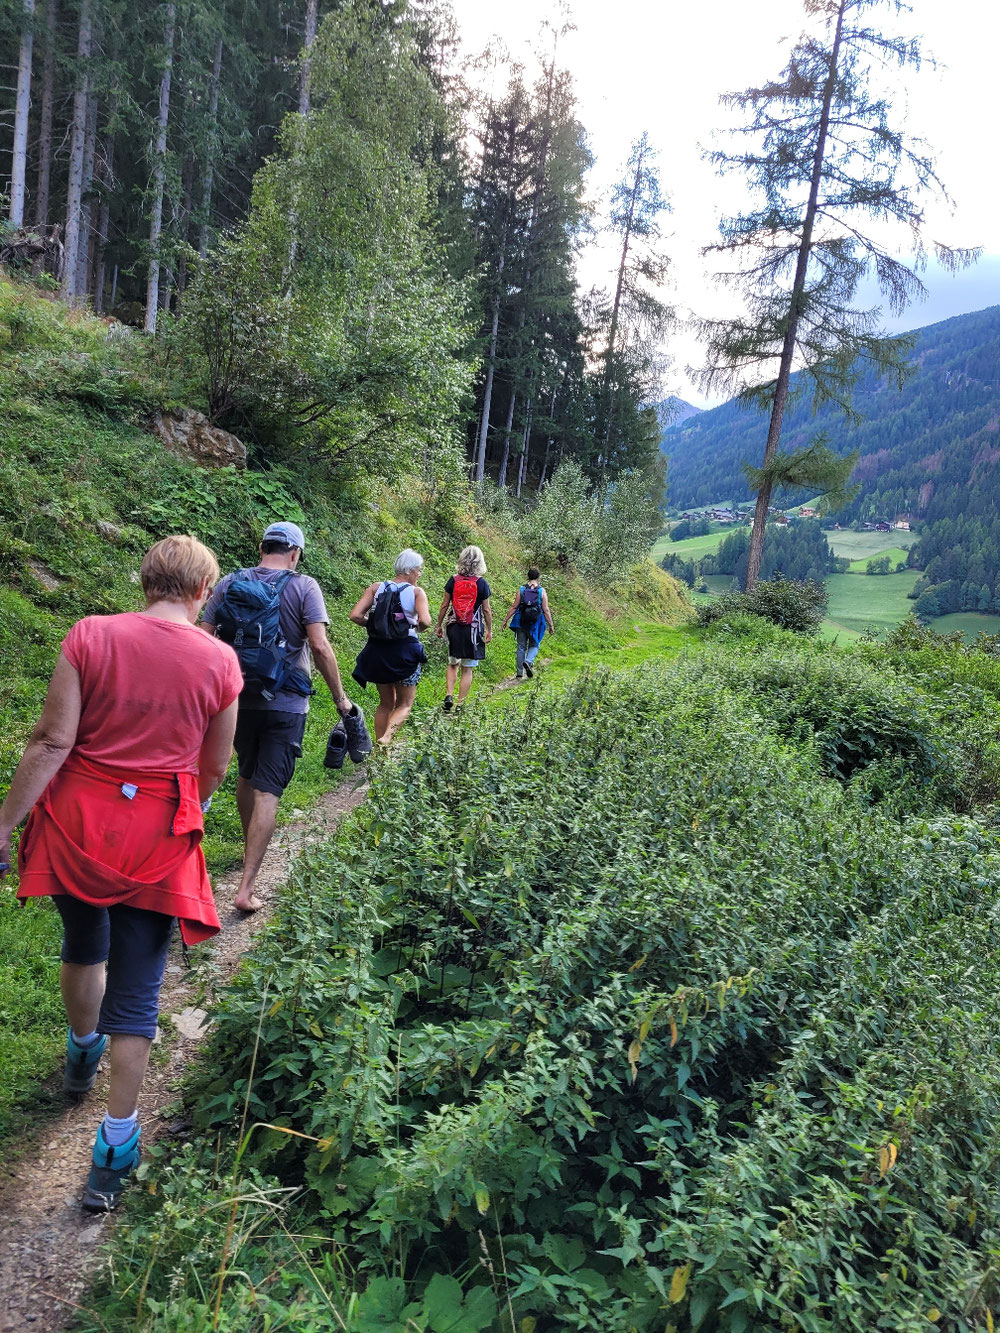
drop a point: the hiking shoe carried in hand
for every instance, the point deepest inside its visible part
(449, 703)
(529, 670)
(359, 743)
(336, 747)
(81, 1064)
(110, 1168)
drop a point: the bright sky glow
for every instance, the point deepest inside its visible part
(661, 67)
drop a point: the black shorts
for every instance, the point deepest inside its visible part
(267, 744)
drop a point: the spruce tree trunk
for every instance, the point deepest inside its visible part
(74, 191)
(508, 425)
(756, 552)
(22, 111)
(209, 173)
(312, 16)
(522, 468)
(106, 171)
(187, 199)
(103, 223)
(484, 420)
(83, 270)
(45, 121)
(160, 172)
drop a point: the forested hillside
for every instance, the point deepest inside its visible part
(935, 434)
(258, 178)
(929, 453)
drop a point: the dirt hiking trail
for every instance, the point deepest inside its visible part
(47, 1243)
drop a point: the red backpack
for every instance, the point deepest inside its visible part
(463, 598)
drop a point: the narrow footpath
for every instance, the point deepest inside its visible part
(47, 1243)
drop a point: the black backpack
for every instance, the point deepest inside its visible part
(249, 618)
(529, 608)
(387, 619)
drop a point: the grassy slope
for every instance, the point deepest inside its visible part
(65, 466)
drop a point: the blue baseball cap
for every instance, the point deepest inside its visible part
(289, 533)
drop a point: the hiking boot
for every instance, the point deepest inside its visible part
(81, 1064)
(449, 703)
(529, 670)
(520, 675)
(108, 1173)
(336, 747)
(359, 743)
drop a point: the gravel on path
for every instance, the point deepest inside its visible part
(47, 1242)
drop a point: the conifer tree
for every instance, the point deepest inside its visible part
(824, 157)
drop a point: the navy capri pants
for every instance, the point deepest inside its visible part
(133, 943)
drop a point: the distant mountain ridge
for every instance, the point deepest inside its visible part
(674, 411)
(947, 411)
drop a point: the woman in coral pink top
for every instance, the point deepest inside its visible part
(135, 736)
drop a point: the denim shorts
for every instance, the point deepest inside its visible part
(133, 943)
(463, 661)
(414, 677)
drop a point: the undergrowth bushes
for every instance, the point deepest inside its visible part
(789, 603)
(616, 1010)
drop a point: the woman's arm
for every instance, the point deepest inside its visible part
(216, 751)
(546, 612)
(487, 620)
(49, 744)
(513, 607)
(364, 606)
(423, 608)
(446, 602)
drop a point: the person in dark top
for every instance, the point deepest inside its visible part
(269, 731)
(466, 608)
(529, 617)
(393, 661)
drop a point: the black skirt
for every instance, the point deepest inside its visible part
(388, 661)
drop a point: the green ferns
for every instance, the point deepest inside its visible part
(618, 1010)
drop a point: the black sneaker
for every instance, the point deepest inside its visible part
(110, 1169)
(449, 703)
(359, 743)
(336, 747)
(528, 670)
(81, 1064)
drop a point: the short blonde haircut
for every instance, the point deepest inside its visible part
(471, 563)
(175, 569)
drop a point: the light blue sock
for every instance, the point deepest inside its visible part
(87, 1041)
(119, 1131)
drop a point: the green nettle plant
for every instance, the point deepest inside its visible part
(667, 1000)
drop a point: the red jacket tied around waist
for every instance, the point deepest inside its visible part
(107, 836)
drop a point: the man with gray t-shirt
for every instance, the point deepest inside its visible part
(269, 730)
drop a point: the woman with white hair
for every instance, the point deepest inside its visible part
(466, 605)
(393, 612)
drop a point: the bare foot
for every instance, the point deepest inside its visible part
(250, 904)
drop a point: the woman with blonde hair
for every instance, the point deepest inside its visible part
(135, 736)
(469, 615)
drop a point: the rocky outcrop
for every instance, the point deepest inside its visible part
(193, 435)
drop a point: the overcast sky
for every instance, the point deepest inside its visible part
(659, 66)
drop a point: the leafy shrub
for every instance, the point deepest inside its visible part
(601, 534)
(611, 1006)
(793, 605)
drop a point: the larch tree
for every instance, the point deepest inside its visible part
(831, 172)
